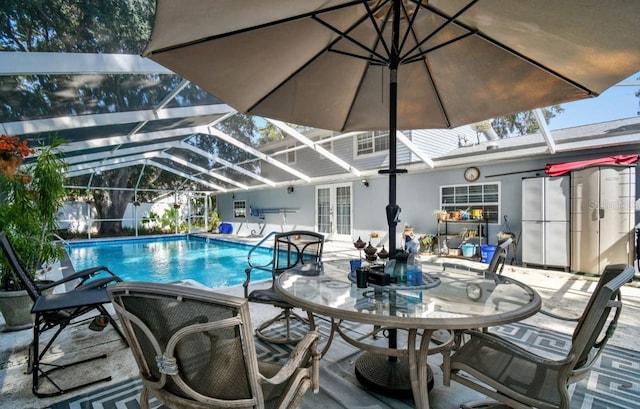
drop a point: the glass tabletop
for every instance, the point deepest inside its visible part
(463, 299)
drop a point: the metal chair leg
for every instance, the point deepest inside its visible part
(38, 372)
(286, 316)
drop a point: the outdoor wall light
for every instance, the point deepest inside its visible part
(290, 189)
(365, 182)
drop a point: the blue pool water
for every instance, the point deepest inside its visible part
(215, 263)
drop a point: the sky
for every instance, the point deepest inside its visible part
(616, 102)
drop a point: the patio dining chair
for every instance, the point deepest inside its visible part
(496, 264)
(290, 249)
(519, 378)
(59, 310)
(195, 349)
(494, 268)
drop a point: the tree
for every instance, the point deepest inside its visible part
(75, 25)
(522, 123)
(269, 133)
(241, 127)
(90, 27)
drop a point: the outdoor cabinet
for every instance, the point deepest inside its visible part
(602, 217)
(545, 221)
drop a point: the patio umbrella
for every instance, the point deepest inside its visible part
(391, 64)
(396, 64)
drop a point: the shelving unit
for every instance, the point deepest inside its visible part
(260, 212)
(481, 228)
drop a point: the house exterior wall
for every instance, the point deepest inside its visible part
(417, 195)
(438, 142)
(433, 142)
(298, 210)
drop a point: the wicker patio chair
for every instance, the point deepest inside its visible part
(290, 249)
(518, 378)
(195, 349)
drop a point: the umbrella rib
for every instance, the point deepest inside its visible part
(418, 57)
(410, 26)
(435, 91)
(252, 28)
(448, 20)
(537, 64)
(379, 30)
(516, 53)
(345, 36)
(362, 57)
(381, 61)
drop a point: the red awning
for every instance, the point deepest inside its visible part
(559, 169)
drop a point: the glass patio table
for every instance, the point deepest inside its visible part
(449, 300)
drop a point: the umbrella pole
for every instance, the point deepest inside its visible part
(393, 94)
(393, 127)
(390, 375)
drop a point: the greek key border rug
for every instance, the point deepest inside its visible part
(614, 382)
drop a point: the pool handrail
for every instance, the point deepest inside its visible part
(265, 267)
(64, 242)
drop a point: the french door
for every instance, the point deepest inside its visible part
(333, 211)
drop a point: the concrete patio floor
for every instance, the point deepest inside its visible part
(562, 293)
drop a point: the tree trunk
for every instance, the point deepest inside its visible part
(111, 204)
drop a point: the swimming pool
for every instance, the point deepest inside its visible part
(214, 263)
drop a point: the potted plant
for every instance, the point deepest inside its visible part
(28, 215)
(426, 243)
(441, 214)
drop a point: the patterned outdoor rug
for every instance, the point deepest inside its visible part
(614, 382)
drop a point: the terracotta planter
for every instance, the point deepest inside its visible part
(15, 307)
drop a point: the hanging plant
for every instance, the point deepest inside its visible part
(13, 151)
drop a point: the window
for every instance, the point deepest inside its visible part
(485, 196)
(371, 143)
(239, 209)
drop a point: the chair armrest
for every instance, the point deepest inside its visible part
(500, 343)
(463, 267)
(97, 283)
(247, 271)
(297, 359)
(559, 317)
(83, 276)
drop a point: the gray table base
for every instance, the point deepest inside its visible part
(387, 375)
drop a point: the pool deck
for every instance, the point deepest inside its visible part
(563, 293)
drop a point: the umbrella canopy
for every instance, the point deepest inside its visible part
(325, 63)
(396, 64)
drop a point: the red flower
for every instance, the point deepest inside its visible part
(13, 145)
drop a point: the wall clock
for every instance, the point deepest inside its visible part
(471, 174)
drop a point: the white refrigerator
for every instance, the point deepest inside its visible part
(545, 221)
